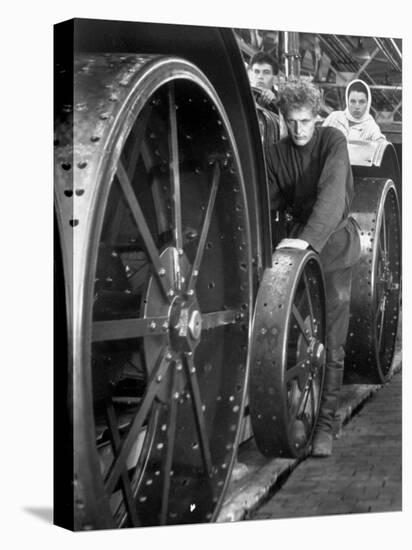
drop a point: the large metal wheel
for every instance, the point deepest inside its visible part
(288, 354)
(152, 204)
(376, 284)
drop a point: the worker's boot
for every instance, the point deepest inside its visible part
(323, 439)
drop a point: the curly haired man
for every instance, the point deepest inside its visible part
(309, 172)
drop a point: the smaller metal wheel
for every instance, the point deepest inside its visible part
(377, 278)
(288, 354)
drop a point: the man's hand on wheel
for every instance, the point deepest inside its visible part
(292, 243)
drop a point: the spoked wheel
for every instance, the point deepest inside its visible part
(375, 297)
(161, 291)
(288, 354)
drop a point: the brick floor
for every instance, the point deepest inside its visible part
(364, 474)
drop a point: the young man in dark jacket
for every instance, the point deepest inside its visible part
(309, 172)
(263, 71)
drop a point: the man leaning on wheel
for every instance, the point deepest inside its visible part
(309, 172)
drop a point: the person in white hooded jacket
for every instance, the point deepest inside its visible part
(355, 121)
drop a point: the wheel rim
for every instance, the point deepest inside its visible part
(163, 335)
(288, 354)
(376, 296)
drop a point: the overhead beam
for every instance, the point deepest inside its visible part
(363, 67)
(389, 87)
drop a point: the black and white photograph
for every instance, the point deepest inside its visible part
(219, 342)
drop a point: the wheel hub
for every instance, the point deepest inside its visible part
(185, 324)
(316, 353)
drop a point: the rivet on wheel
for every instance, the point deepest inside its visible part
(171, 293)
(152, 325)
(179, 366)
(79, 504)
(165, 326)
(180, 251)
(162, 272)
(168, 356)
(190, 292)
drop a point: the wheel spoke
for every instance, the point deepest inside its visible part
(115, 438)
(127, 328)
(295, 409)
(306, 398)
(382, 323)
(139, 132)
(309, 299)
(199, 416)
(141, 223)
(218, 319)
(174, 168)
(168, 459)
(206, 225)
(152, 387)
(313, 401)
(385, 236)
(299, 372)
(300, 323)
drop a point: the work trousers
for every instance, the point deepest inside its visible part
(338, 290)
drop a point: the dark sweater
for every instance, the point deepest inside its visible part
(315, 182)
